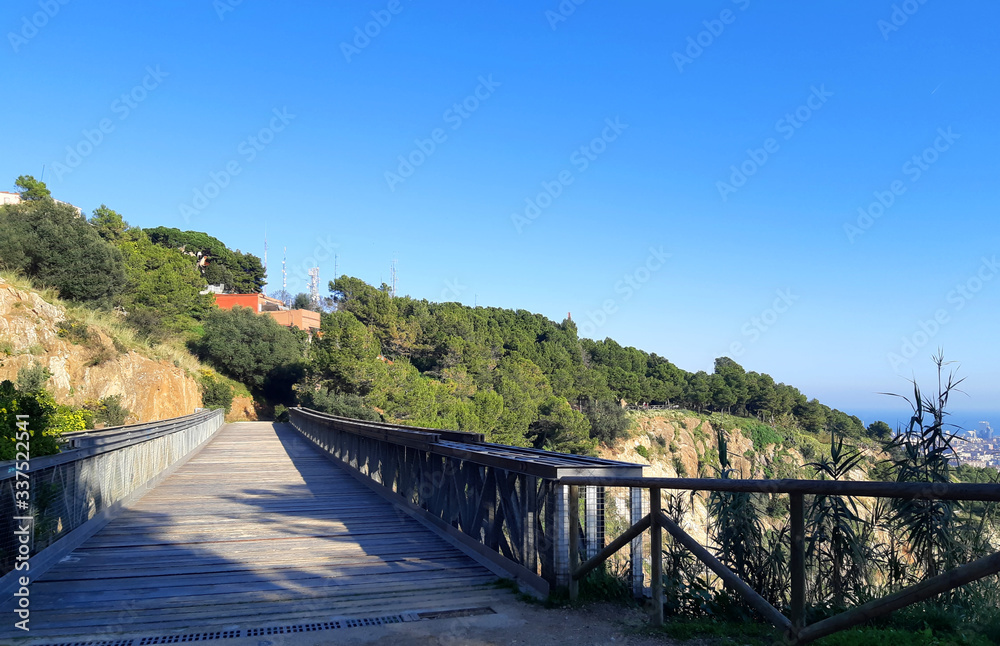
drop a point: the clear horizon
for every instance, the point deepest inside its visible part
(809, 190)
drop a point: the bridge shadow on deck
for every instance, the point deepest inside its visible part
(259, 529)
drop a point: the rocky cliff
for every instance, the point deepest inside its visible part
(88, 370)
(680, 444)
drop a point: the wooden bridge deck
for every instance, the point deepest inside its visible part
(259, 529)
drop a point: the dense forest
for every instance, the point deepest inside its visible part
(516, 376)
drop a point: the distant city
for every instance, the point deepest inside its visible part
(981, 448)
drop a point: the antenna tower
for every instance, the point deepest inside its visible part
(393, 278)
(314, 286)
(284, 276)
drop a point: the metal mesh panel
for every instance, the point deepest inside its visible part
(70, 488)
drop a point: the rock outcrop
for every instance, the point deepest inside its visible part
(91, 370)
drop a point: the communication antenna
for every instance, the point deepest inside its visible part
(284, 276)
(336, 272)
(392, 274)
(314, 286)
(265, 260)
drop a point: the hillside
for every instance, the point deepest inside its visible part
(90, 357)
(513, 375)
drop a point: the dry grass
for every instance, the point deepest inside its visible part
(124, 337)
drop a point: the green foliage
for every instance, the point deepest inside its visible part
(216, 393)
(247, 347)
(302, 301)
(922, 452)
(608, 421)
(49, 243)
(42, 417)
(109, 224)
(559, 427)
(164, 287)
(643, 451)
(281, 413)
(762, 435)
(340, 404)
(31, 189)
(31, 379)
(835, 549)
(111, 412)
(238, 272)
(879, 430)
(74, 331)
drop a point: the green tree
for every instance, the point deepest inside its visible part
(31, 379)
(164, 286)
(607, 419)
(560, 428)
(237, 272)
(109, 224)
(31, 189)
(346, 357)
(880, 430)
(50, 244)
(216, 393)
(246, 346)
(302, 301)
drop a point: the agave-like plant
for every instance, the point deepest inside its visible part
(737, 530)
(835, 551)
(922, 452)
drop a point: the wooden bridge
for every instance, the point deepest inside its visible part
(189, 530)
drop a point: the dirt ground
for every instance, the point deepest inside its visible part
(513, 624)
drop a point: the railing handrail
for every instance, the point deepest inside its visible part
(444, 434)
(110, 430)
(536, 462)
(861, 489)
(144, 433)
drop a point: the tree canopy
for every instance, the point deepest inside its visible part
(51, 244)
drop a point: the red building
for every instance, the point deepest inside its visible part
(303, 319)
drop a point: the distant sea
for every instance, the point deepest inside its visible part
(900, 417)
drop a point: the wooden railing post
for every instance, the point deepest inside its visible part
(656, 555)
(798, 562)
(574, 539)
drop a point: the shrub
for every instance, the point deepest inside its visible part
(216, 393)
(607, 420)
(340, 404)
(281, 413)
(75, 331)
(643, 451)
(31, 379)
(112, 413)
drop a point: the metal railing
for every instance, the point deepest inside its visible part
(97, 471)
(550, 515)
(794, 626)
(500, 501)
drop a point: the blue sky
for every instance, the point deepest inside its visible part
(677, 177)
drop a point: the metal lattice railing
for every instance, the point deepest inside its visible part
(503, 498)
(98, 470)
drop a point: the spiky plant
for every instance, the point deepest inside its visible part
(737, 530)
(835, 551)
(922, 452)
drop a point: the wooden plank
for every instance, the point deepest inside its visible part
(259, 526)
